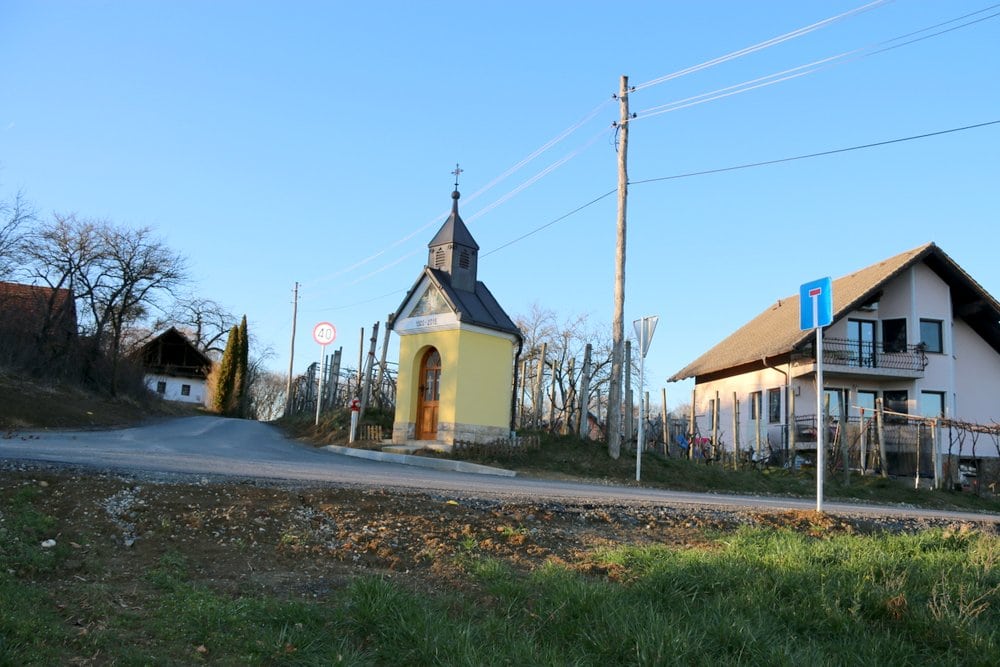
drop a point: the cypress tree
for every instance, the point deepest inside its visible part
(226, 377)
(242, 370)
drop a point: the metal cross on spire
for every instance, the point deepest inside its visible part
(457, 172)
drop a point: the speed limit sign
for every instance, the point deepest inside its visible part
(324, 333)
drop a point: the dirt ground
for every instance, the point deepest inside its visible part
(304, 541)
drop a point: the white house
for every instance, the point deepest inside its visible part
(914, 330)
(175, 369)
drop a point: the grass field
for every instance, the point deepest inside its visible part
(753, 596)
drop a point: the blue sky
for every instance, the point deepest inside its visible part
(313, 142)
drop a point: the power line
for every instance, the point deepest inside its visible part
(746, 86)
(570, 130)
(815, 66)
(761, 45)
(440, 218)
(549, 224)
(738, 167)
(812, 155)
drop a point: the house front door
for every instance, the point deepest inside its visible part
(430, 393)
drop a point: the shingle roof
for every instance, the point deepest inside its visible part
(776, 331)
(454, 230)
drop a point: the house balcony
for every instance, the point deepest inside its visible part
(862, 359)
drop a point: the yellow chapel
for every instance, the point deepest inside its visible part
(457, 348)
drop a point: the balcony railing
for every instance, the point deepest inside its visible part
(862, 354)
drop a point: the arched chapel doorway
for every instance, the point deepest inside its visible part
(429, 395)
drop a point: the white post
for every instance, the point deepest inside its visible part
(319, 392)
(935, 434)
(820, 426)
(863, 440)
(354, 426)
(642, 421)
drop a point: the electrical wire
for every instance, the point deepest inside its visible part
(691, 174)
(812, 155)
(738, 167)
(534, 179)
(815, 66)
(549, 224)
(442, 217)
(760, 46)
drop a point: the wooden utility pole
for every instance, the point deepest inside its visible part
(692, 427)
(736, 431)
(629, 426)
(584, 427)
(335, 377)
(291, 352)
(715, 426)
(537, 398)
(569, 407)
(666, 425)
(381, 365)
(552, 399)
(880, 431)
(618, 321)
(361, 362)
(366, 388)
(791, 425)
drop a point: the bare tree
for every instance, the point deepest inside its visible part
(204, 321)
(565, 343)
(14, 215)
(267, 395)
(116, 274)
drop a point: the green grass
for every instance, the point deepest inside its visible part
(755, 596)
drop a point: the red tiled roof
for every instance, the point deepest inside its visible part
(28, 307)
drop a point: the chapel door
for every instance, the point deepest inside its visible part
(430, 393)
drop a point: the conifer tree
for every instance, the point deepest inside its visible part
(226, 377)
(239, 400)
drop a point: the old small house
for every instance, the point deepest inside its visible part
(175, 369)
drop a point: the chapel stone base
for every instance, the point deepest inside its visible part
(449, 432)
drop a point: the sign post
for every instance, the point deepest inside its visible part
(644, 329)
(355, 412)
(816, 312)
(323, 333)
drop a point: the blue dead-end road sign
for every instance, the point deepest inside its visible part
(816, 304)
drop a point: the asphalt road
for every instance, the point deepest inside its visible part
(214, 446)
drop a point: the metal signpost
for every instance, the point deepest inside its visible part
(644, 329)
(816, 312)
(323, 333)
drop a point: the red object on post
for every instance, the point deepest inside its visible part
(355, 405)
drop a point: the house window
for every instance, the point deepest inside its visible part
(866, 401)
(894, 335)
(185, 390)
(774, 406)
(930, 335)
(161, 387)
(833, 400)
(463, 259)
(932, 403)
(896, 401)
(754, 406)
(439, 258)
(861, 334)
